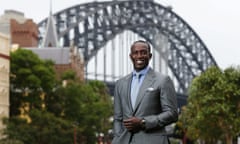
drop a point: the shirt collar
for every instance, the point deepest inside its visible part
(142, 72)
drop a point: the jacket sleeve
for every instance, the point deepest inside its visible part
(118, 116)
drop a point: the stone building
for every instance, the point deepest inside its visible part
(21, 32)
(24, 33)
(4, 77)
(65, 58)
(6, 18)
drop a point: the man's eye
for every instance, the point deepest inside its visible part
(140, 52)
(135, 53)
(144, 52)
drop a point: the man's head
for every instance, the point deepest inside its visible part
(140, 54)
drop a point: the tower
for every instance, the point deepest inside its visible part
(25, 34)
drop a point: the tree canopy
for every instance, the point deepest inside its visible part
(213, 108)
(31, 77)
(56, 113)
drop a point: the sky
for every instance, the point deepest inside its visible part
(216, 22)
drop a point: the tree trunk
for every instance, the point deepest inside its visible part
(228, 139)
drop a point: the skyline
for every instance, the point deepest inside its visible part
(215, 22)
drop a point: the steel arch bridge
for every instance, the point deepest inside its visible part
(92, 25)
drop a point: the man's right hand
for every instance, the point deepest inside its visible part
(133, 124)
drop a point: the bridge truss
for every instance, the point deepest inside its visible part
(92, 25)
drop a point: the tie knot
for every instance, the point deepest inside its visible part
(138, 76)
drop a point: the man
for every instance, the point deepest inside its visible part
(141, 118)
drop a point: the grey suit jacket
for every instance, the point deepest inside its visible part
(156, 103)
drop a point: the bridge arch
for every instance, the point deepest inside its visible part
(92, 25)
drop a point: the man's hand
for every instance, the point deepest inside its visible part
(133, 124)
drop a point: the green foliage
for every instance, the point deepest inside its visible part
(30, 72)
(43, 128)
(213, 108)
(80, 109)
(31, 77)
(69, 75)
(7, 141)
(88, 105)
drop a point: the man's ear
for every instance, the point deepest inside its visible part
(150, 55)
(130, 56)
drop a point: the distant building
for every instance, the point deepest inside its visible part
(64, 59)
(4, 78)
(24, 33)
(7, 16)
(51, 38)
(16, 31)
(67, 58)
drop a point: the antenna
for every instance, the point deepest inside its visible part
(51, 6)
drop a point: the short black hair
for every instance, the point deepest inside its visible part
(142, 41)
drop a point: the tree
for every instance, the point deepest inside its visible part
(31, 78)
(32, 81)
(213, 108)
(57, 113)
(7, 141)
(87, 105)
(44, 128)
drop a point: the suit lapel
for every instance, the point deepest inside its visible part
(127, 86)
(147, 82)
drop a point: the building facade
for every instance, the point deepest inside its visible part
(65, 59)
(4, 78)
(22, 31)
(6, 18)
(24, 34)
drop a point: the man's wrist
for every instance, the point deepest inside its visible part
(143, 123)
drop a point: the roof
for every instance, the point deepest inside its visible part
(51, 38)
(57, 55)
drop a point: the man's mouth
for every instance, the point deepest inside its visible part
(139, 61)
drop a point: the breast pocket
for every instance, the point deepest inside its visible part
(153, 92)
(152, 98)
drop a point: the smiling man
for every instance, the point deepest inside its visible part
(144, 102)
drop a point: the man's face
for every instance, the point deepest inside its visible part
(140, 55)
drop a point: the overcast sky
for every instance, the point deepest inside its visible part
(217, 22)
